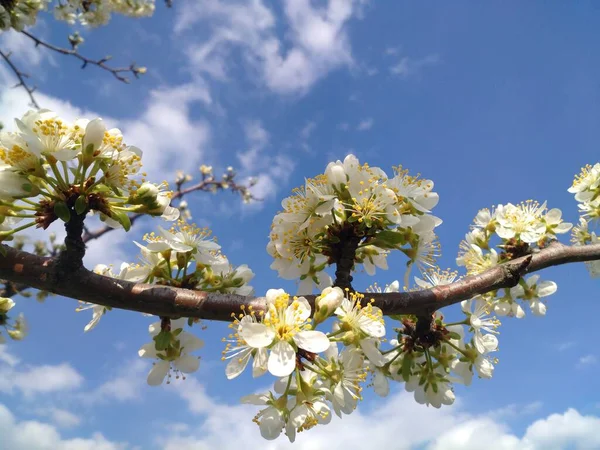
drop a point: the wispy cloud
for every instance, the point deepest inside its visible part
(365, 124)
(565, 345)
(317, 37)
(587, 360)
(407, 66)
(271, 171)
(308, 129)
(59, 417)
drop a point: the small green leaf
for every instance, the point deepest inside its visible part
(391, 238)
(162, 340)
(122, 218)
(62, 211)
(81, 204)
(453, 335)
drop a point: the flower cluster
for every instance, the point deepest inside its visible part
(586, 187)
(316, 378)
(95, 13)
(184, 256)
(313, 377)
(353, 214)
(53, 169)
(16, 329)
(18, 14)
(522, 229)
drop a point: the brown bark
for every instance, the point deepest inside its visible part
(43, 273)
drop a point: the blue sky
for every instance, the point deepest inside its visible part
(494, 102)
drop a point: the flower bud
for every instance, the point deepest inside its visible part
(147, 191)
(92, 140)
(6, 304)
(327, 303)
(330, 299)
(335, 174)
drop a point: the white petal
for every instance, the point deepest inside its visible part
(372, 327)
(237, 364)
(158, 373)
(257, 335)
(312, 341)
(147, 351)
(189, 342)
(272, 295)
(282, 360)
(259, 365)
(371, 351)
(255, 399)
(381, 384)
(187, 363)
(553, 216)
(485, 368)
(502, 308)
(158, 246)
(538, 308)
(271, 423)
(546, 288)
(518, 311)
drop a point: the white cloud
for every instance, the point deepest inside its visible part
(6, 357)
(316, 38)
(60, 417)
(396, 422)
(565, 345)
(42, 379)
(271, 171)
(407, 66)
(125, 385)
(27, 56)
(365, 124)
(308, 129)
(33, 435)
(587, 360)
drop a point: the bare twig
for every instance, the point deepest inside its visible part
(205, 185)
(42, 273)
(116, 71)
(21, 76)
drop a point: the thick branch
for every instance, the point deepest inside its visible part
(41, 273)
(116, 71)
(204, 185)
(21, 76)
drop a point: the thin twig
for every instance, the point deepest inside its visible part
(164, 301)
(21, 76)
(116, 71)
(205, 186)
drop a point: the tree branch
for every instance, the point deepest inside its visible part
(116, 71)
(42, 273)
(205, 186)
(21, 76)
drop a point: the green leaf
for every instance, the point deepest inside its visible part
(162, 340)
(122, 218)
(81, 204)
(62, 211)
(390, 239)
(453, 335)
